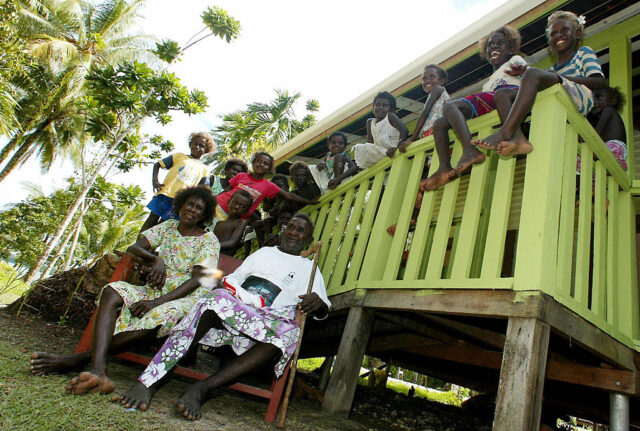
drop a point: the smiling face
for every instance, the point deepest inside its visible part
(498, 50)
(430, 78)
(262, 165)
(296, 236)
(381, 107)
(238, 205)
(198, 146)
(563, 37)
(192, 212)
(337, 144)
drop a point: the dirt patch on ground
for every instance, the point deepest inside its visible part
(373, 409)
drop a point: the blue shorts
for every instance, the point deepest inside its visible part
(162, 206)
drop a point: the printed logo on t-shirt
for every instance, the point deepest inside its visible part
(188, 174)
(262, 287)
(253, 192)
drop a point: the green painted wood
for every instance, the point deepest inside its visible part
(406, 210)
(418, 253)
(620, 76)
(583, 246)
(329, 231)
(350, 234)
(567, 214)
(629, 323)
(443, 229)
(614, 290)
(377, 254)
(448, 263)
(485, 213)
(365, 229)
(470, 283)
(337, 239)
(599, 295)
(322, 217)
(538, 233)
(428, 245)
(463, 253)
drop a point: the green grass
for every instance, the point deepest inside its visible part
(11, 288)
(449, 398)
(309, 364)
(29, 402)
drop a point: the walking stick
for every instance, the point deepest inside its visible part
(294, 360)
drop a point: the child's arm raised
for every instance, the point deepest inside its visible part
(434, 95)
(295, 198)
(369, 134)
(396, 122)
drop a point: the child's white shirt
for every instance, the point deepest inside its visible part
(501, 77)
(384, 134)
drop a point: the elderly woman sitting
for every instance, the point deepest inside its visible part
(255, 314)
(127, 314)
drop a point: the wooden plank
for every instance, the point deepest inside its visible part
(377, 256)
(600, 268)
(322, 217)
(329, 229)
(418, 251)
(463, 302)
(498, 219)
(450, 254)
(400, 342)
(519, 399)
(410, 324)
(583, 246)
(365, 228)
(337, 237)
(538, 232)
(463, 255)
(468, 283)
(613, 289)
(567, 214)
(627, 269)
(443, 228)
(344, 379)
(349, 236)
(404, 217)
(486, 336)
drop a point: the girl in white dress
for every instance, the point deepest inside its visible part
(384, 132)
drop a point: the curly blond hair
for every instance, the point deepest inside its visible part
(569, 16)
(208, 139)
(511, 35)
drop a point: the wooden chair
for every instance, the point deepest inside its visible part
(227, 264)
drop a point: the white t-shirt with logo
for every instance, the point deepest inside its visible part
(290, 273)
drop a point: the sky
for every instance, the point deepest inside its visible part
(331, 51)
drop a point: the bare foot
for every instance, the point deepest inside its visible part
(439, 178)
(519, 144)
(138, 397)
(391, 230)
(88, 382)
(491, 142)
(189, 403)
(44, 363)
(469, 157)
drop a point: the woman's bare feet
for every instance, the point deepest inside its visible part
(44, 363)
(439, 178)
(519, 144)
(469, 157)
(88, 382)
(138, 397)
(189, 403)
(491, 142)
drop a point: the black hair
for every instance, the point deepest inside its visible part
(388, 96)
(441, 72)
(244, 194)
(305, 217)
(615, 96)
(201, 192)
(344, 137)
(296, 166)
(277, 177)
(238, 162)
(262, 153)
(511, 36)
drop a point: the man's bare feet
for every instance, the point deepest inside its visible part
(491, 142)
(88, 382)
(189, 403)
(44, 363)
(519, 144)
(138, 397)
(439, 178)
(469, 157)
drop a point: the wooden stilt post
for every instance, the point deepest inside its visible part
(524, 362)
(344, 378)
(619, 412)
(325, 372)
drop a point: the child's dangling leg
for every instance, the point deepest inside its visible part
(456, 113)
(445, 172)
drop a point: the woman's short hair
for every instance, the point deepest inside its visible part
(511, 36)
(201, 192)
(208, 140)
(262, 153)
(569, 16)
(237, 162)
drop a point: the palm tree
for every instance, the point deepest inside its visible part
(67, 38)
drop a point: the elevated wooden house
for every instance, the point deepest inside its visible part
(505, 282)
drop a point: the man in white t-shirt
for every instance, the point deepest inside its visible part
(254, 313)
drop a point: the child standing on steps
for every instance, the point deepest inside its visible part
(576, 68)
(499, 49)
(384, 132)
(184, 171)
